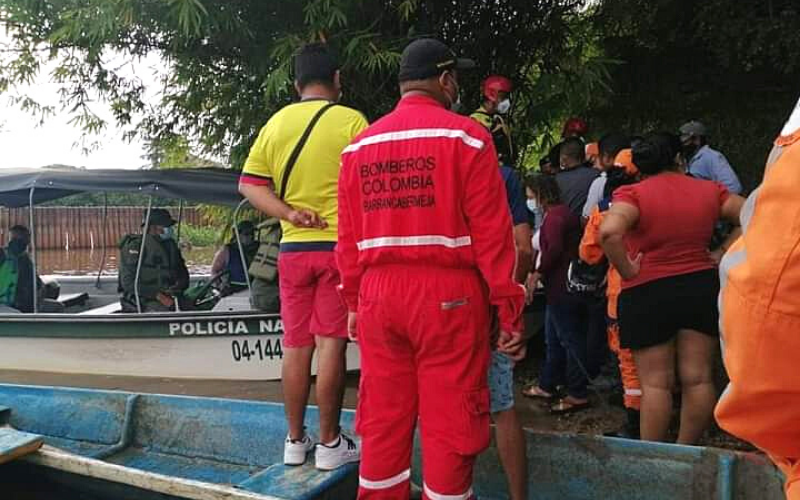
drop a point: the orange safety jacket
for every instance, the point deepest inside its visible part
(760, 314)
(591, 252)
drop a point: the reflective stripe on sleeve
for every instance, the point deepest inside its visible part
(415, 241)
(420, 133)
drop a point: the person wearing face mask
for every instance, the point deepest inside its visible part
(496, 92)
(706, 163)
(16, 273)
(510, 438)
(163, 275)
(425, 255)
(228, 259)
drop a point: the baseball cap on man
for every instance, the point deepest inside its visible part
(159, 217)
(693, 129)
(427, 57)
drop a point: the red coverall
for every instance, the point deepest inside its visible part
(425, 249)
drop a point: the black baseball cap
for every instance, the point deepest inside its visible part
(159, 217)
(427, 57)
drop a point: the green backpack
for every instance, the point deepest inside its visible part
(9, 276)
(265, 263)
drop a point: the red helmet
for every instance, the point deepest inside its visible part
(575, 127)
(494, 84)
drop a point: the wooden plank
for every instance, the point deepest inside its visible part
(15, 444)
(148, 481)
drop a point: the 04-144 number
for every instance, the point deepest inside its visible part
(261, 350)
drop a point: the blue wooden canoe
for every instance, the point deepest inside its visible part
(125, 445)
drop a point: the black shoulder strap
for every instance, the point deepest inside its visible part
(299, 147)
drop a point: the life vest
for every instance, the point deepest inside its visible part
(9, 277)
(155, 274)
(265, 263)
(236, 274)
(501, 134)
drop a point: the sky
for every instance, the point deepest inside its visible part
(25, 143)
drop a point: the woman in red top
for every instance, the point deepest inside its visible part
(656, 234)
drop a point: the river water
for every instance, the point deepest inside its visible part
(85, 261)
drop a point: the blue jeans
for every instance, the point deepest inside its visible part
(555, 358)
(566, 343)
(501, 383)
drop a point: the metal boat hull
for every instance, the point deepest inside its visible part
(214, 449)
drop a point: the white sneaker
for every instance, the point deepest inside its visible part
(295, 452)
(345, 451)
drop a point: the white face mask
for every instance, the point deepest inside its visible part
(168, 233)
(533, 204)
(456, 107)
(504, 106)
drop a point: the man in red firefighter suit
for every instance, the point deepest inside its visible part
(425, 254)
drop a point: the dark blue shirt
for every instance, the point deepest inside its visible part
(516, 197)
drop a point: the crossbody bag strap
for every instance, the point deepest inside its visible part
(290, 163)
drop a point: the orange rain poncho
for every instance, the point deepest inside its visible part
(760, 314)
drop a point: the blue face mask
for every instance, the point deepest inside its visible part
(168, 233)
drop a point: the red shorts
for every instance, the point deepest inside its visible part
(310, 302)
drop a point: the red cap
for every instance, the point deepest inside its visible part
(494, 84)
(575, 126)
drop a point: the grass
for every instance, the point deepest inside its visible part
(200, 236)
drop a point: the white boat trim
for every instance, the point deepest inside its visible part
(54, 458)
(209, 357)
(134, 317)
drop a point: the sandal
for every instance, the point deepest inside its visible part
(564, 407)
(537, 392)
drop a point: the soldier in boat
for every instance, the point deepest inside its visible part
(228, 262)
(163, 276)
(16, 277)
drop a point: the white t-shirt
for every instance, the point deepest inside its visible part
(536, 242)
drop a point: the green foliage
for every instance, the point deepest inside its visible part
(173, 151)
(732, 65)
(113, 199)
(581, 78)
(229, 60)
(200, 236)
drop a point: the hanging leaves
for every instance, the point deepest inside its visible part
(228, 62)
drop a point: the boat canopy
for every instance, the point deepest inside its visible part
(215, 186)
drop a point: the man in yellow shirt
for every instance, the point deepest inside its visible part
(313, 314)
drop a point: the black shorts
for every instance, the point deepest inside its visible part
(652, 313)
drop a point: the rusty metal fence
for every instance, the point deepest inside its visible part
(82, 227)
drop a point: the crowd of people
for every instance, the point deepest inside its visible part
(419, 238)
(415, 237)
(647, 209)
